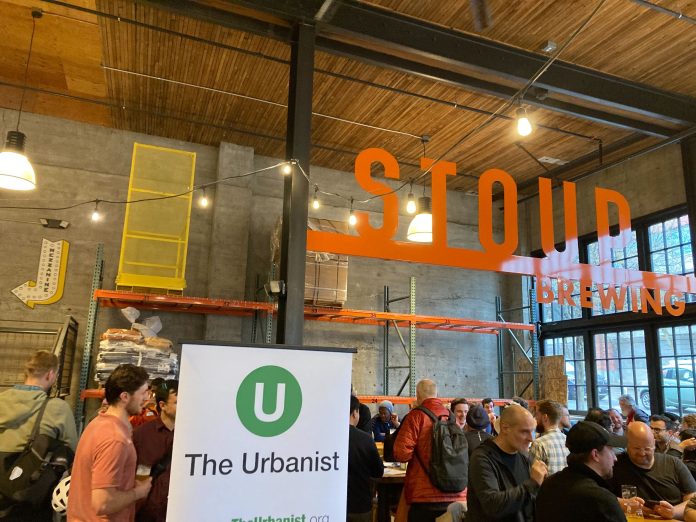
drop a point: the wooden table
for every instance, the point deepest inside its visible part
(388, 490)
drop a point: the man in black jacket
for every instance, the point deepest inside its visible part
(502, 484)
(581, 492)
(363, 462)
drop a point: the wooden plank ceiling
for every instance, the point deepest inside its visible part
(205, 83)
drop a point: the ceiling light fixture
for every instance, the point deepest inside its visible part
(524, 126)
(411, 205)
(96, 216)
(352, 219)
(315, 199)
(421, 228)
(16, 173)
(203, 201)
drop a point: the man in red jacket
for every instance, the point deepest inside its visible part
(415, 436)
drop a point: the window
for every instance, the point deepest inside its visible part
(676, 346)
(573, 349)
(621, 368)
(670, 249)
(626, 257)
(552, 312)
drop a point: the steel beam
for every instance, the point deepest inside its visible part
(454, 48)
(433, 42)
(463, 81)
(688, 150)
(293, 241)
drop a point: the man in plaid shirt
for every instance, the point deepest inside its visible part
(550, 446)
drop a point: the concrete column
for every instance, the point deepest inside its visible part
(231, 207)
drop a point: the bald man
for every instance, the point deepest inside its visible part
(414, 445)
(658, 477)
(502, 482)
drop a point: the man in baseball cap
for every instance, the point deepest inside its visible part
(581, 492)
(475, 428)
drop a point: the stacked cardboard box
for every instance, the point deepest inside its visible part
(326, 275)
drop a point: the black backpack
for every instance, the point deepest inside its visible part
(449, 460)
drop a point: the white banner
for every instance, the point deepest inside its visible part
(261, 435)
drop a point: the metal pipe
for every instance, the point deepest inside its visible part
(676, 14)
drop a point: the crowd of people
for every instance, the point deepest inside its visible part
(463, 460)
(121, 463)
(529, 463)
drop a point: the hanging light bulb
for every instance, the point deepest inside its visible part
(286, 169)
(315, 199)
(352, 219)
(524, 126)
(16, 173)
(96, 216)
(421, 228)
(203, 201)
(411, 205)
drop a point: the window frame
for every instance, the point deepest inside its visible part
(589, 325)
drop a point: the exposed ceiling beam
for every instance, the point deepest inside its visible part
(388, 25)
(427, 41)
(464, 81)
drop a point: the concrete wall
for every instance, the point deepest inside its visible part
(649, 183)
(229, 249)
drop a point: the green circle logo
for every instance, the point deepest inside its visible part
(269, 401)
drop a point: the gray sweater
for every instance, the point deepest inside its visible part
(19, 407)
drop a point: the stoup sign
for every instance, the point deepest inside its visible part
(615, 286)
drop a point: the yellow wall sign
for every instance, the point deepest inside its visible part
(50, 278)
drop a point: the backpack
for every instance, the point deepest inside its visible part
(449, 460)
(29, 476)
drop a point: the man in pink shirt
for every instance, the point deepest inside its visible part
(103, 485)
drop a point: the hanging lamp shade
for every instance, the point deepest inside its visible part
(421, 228)
(16, 173)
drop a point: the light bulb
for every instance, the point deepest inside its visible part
(16, 173)
(96, 216)
(421, 228)
(315, 203)
(203, 201)
(352, 220)
(411, 205)
(286, 169)
(524, 126)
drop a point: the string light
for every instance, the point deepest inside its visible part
(286, 169)
(524, 126)
(315, 199)
(352, 219)
(203, 201)
(411, 205)
(96, 216)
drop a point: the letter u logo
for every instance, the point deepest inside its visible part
(279, 404)
(282, 404)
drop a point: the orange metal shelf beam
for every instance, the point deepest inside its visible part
(198, 305)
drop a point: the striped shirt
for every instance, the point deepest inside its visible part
(550, 448)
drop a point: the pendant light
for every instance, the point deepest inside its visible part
(411, 201)
(421, 228)
(524, 126)
(16, 173)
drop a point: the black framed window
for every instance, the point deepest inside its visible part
(621, 367)
(573, 350)
(552, 312)
(669, 244)
(676, 348)
(626, 257)
(630, 352)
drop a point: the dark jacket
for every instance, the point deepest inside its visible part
(577, 494)
(475, 438)
(493, 492)
(363, 463)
